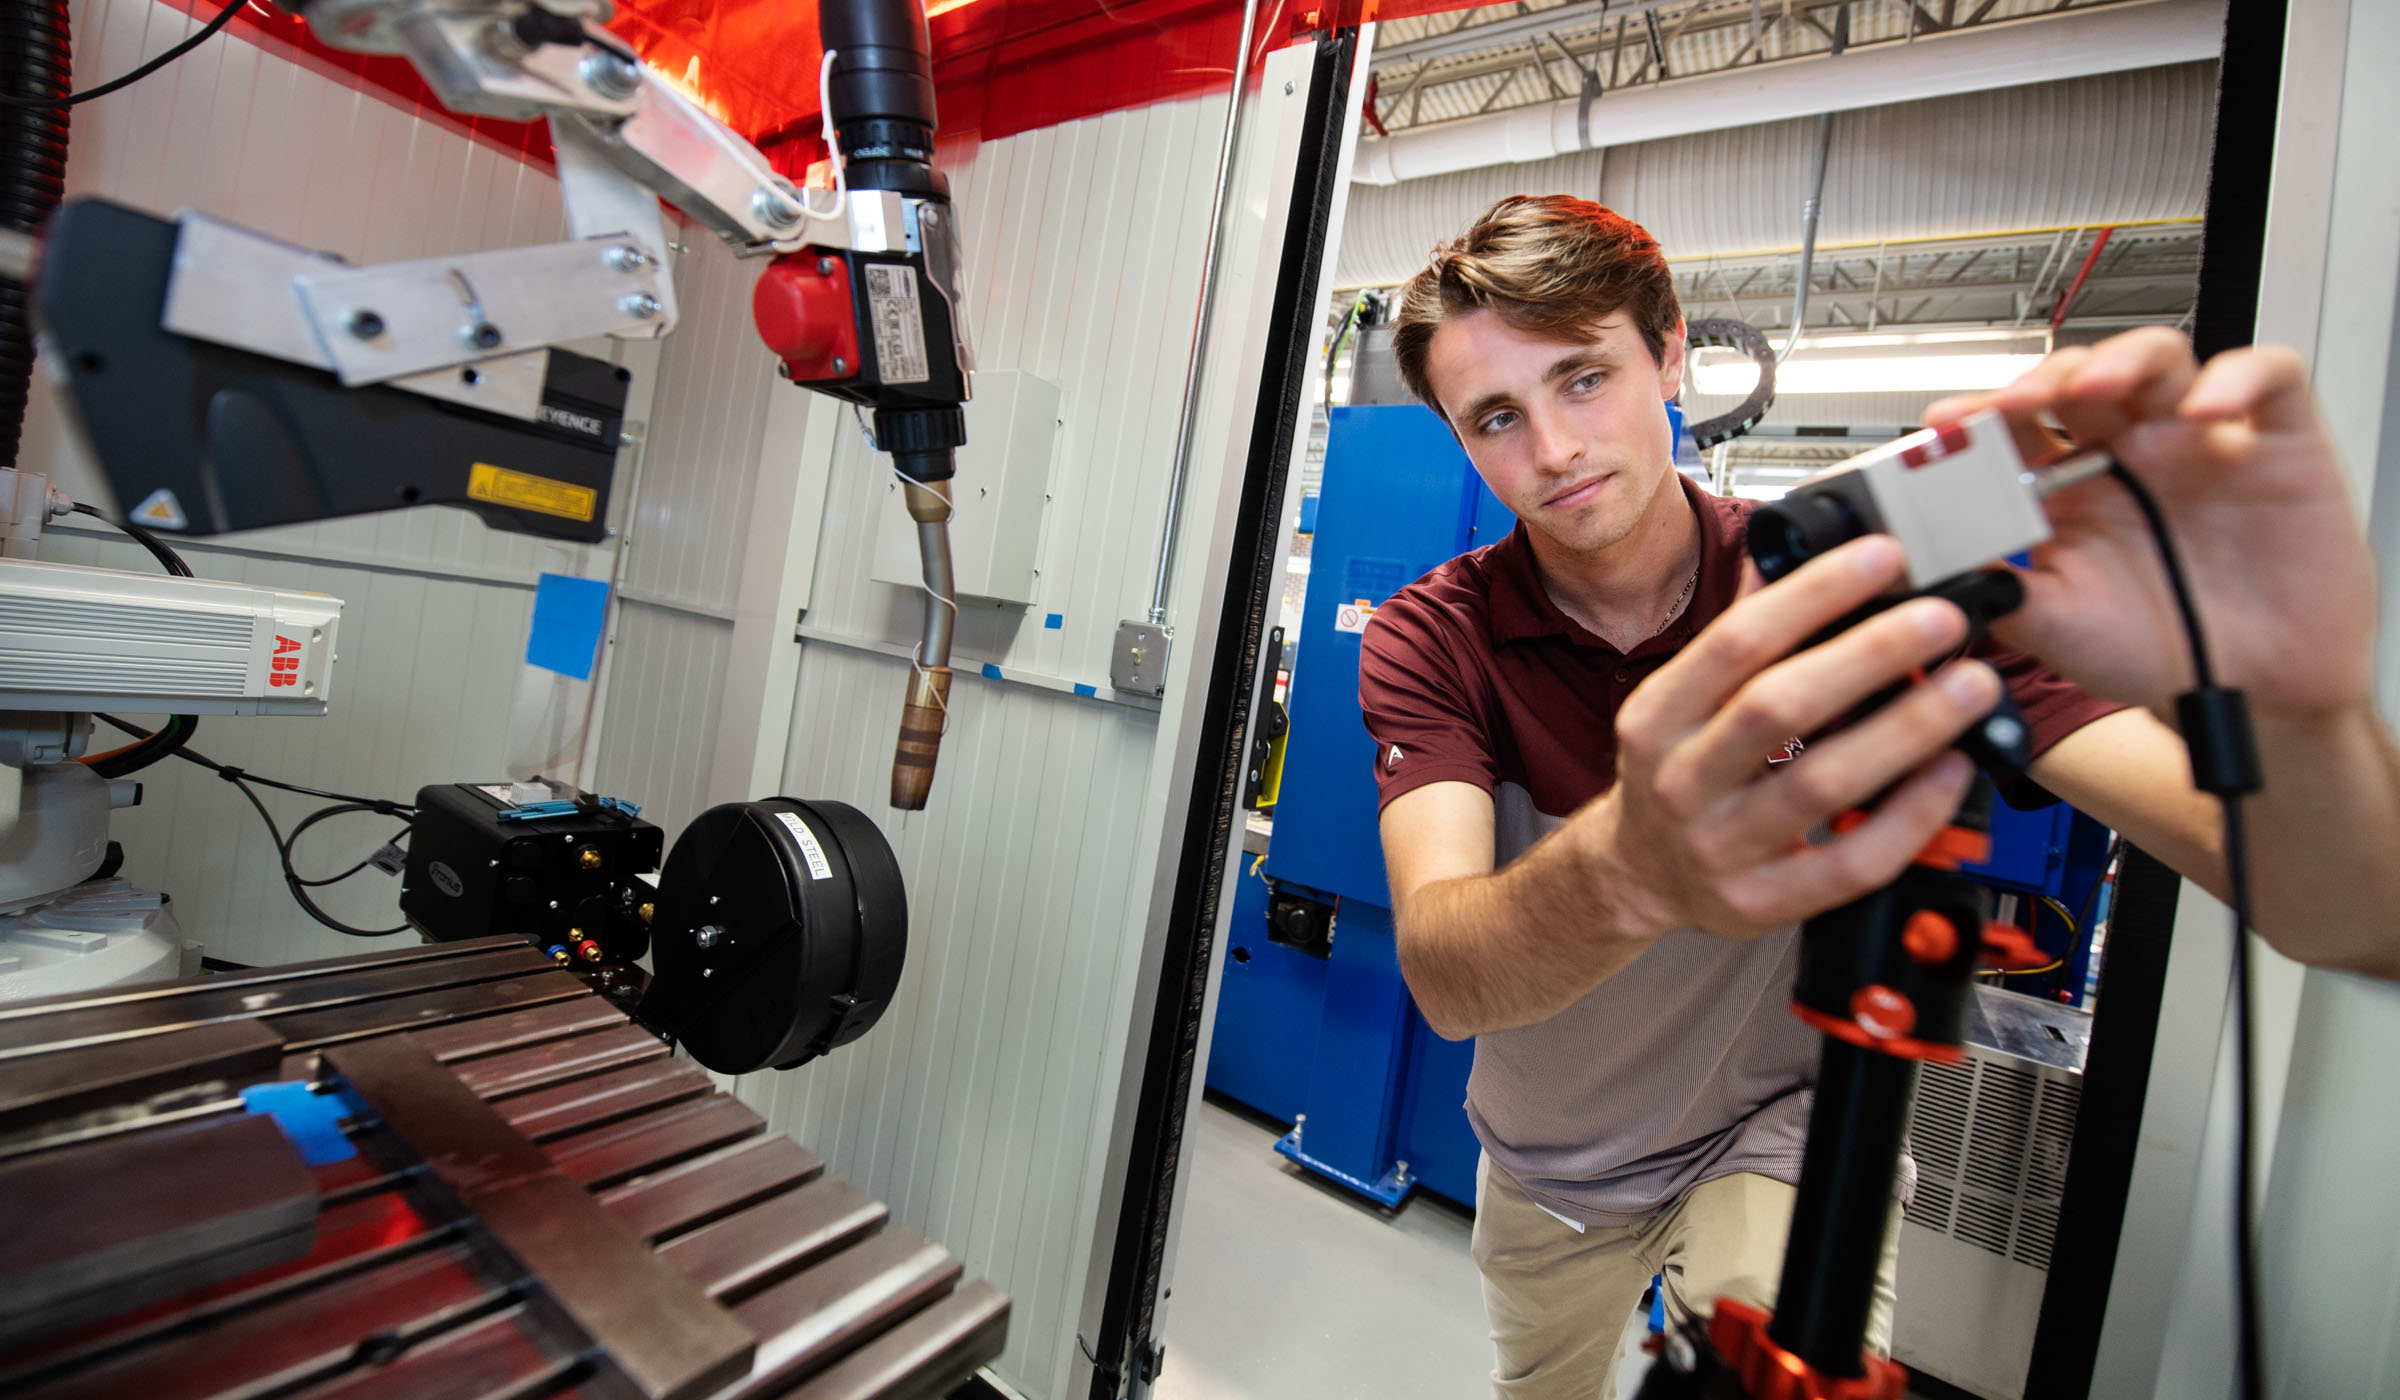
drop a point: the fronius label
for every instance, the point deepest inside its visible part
(502, 487)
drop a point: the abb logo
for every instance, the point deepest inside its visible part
(284, 666)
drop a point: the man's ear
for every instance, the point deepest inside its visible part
(1671, 361)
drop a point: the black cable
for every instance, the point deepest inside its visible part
(148, 748)
(230, 773)
(224, 17)
(158, 548)
(343, 805)
(2224, 762)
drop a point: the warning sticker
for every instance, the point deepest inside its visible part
(502, 487)
(899, 325)
(1353, 616)
(818, 867)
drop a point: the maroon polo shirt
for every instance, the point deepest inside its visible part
(1685, 1066)
(1472, 674)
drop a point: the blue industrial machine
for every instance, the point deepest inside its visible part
(1314, 1026)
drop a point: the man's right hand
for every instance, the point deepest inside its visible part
(1700, 832)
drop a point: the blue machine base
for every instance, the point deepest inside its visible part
(1387, 1192)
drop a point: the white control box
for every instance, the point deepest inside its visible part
(1000, 491)
(73, 638)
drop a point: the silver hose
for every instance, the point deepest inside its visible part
(925, 714)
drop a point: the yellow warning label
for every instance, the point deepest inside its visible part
(502, 487)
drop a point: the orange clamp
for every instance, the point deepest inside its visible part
(1769, 1372)
(2011, 948)
(1930, 938)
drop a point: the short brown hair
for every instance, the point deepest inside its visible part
(1548, 265)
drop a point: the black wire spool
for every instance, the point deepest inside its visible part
(1726, 333)
(780, 932)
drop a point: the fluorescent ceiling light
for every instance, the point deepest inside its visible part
(2035, 339)
(1909, 374)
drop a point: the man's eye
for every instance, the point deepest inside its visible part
(1586, 383)
(1498, 422)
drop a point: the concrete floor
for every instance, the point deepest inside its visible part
(1288, 1288)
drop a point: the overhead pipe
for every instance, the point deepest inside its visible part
(1810, 208)
(2013, 54)
(2058, 315)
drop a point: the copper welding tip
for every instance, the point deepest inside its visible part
(922, 717)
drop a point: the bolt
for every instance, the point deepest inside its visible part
(783, 369)
(483, 335)
(709, 935)
(570, 840)
(1402, 1171)
(648, 912)
(1287, 89)
(611, 75)
(625, 259)
(641, 305)
(554, 904)
(824, 267)
(840, 365)
(366, 325)
(773, 206)
(590, 859)
(712, 899)
(2003, 731)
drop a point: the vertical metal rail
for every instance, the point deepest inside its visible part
(1189, 420)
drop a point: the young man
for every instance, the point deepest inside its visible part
(1596, 823)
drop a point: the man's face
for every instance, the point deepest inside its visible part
(1570, 434)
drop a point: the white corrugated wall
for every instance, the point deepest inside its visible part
(974, 1107)
(436, 604)
(2117, 148)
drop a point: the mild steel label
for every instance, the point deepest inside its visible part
(899, 327)
(818, 867)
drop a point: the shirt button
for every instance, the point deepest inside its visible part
(1622, 675)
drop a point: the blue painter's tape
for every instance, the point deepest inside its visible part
(1055, 621)
(568, 617)
(1085, 690)
(990, 672)
(312, 1121)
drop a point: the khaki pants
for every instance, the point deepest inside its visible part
(1558, 1301)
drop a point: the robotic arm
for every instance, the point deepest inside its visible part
(226, 380)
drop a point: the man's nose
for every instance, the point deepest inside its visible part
(1556, 449)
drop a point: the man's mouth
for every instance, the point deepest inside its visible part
(1580, 493)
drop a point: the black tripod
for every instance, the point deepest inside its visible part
(1886, 978)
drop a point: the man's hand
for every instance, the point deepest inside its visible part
(1700, 833)
(2255, 497)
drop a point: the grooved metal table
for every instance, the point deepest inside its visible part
(538, 1200)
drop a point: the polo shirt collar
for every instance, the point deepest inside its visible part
(1522, 610)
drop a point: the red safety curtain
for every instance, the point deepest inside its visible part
(1000, 66)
